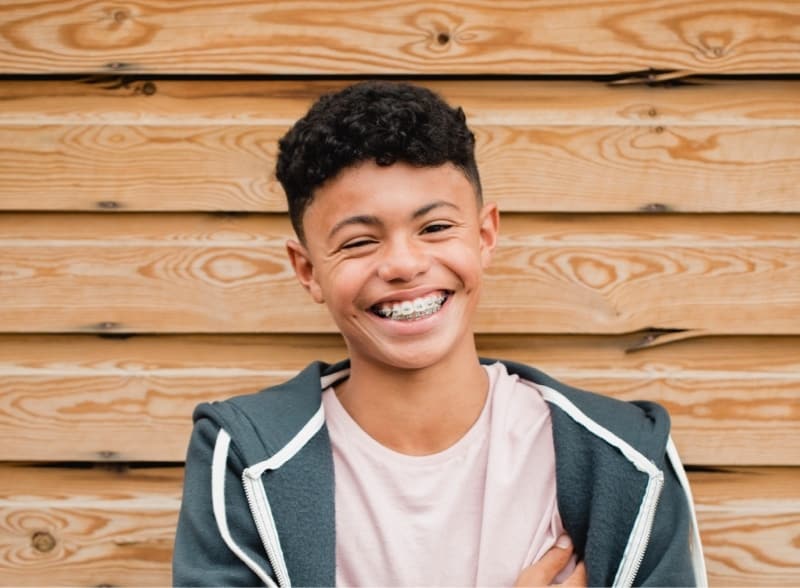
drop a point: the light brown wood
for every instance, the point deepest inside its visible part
(131, 100)
(750, 522)
(542, 146)
(741, 529)
(733, 400)
(116, 527)
(367, 37)
(524, 169)
(61, 526)
(557, 274)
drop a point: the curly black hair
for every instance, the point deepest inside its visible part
(376, 121)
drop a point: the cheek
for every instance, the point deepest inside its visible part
(467, 264)
(344, 286)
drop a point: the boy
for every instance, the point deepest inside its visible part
(445, 465)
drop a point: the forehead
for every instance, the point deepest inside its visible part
(397, 189)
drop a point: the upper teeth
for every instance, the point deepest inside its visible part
(412, 309)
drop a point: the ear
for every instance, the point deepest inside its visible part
(489, 227)
(304, 269)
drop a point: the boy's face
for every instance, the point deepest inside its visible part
(397, 254)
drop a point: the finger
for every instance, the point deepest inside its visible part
(577, 577)
(547, 568)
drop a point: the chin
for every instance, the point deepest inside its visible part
(413, 356)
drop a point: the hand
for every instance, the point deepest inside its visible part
(544, 571)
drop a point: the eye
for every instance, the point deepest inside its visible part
(436, 227)
(357, 243)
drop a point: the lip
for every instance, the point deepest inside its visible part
(412, 294)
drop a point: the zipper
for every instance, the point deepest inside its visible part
(640, 535)
(257, 496)
(639, 538)
(265, 524)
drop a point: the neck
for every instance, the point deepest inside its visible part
(416, 412)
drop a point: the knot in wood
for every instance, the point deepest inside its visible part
(43, 541)
(652, 112)
(148, 88)
(108, 204)
(120, 16)
(443, 38)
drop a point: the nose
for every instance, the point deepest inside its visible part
(403, 260)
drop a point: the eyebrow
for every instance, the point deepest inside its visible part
(371, 220)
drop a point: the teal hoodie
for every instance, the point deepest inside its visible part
(258, 497)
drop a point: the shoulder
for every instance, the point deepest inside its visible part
(265, 421)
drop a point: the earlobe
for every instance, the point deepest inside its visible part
(304, 269)
(489, 228)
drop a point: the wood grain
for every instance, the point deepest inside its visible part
(750, 525)
(557, 274)
(370, 37)
(64, 526)
(523, 168)
(733, 400)
(749, 520)
(153, 101)
(542, 146)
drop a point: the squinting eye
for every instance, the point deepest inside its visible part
(436, 228)
(359, 243)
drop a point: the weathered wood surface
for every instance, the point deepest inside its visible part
(733, 400)
(369, 37)
(750, 525)
(542, 146)
(130, 100)
(89, 527)
(115, 527)
(557, 274)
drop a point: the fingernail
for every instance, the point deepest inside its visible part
(564, 542)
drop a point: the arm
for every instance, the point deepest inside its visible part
(201, 556)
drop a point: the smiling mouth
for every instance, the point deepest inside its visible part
(410, 310)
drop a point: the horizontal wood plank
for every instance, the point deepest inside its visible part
(542, 146)
(115, 527)
(562, 168)
(154, 101)
(750, 523)
(557, 274)
(91, 527)
(368, 37)
(733, 400)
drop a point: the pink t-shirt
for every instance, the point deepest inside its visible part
(474, 514)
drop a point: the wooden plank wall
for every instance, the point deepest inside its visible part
(650, 249)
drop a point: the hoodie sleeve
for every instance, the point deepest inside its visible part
(668, 560)
(202, 556)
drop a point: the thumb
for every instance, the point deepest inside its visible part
(544, 571)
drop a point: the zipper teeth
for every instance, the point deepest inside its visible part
(268, 538)
(643, 530)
